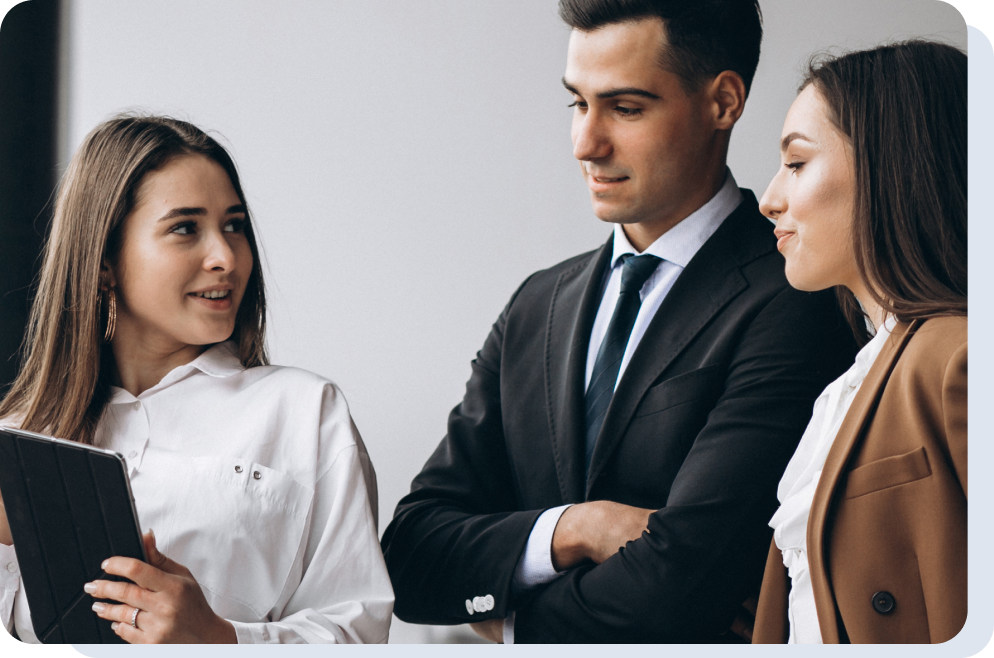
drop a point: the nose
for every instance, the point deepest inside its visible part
(219, 256)
(590, 139)
(774, 201)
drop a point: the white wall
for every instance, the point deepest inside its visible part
(407, 163)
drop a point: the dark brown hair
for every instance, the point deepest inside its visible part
(903, 108)
(64, 384)
(705, 37)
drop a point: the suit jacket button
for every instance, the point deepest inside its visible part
(469, 606)
(488, 601)
(883, 602)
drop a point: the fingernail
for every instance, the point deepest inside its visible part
(89, 588)
(113, 626)
(151, 533)
(98, 607)
(103, 565)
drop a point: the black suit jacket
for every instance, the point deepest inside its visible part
(701, 427)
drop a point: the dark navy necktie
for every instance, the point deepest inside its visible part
(634, 272)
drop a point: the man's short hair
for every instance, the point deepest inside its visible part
(705, 37)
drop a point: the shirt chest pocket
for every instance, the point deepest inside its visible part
(238, 526)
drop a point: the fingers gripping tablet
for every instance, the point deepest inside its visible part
(69, 507)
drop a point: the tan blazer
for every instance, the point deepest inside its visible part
(886, 537)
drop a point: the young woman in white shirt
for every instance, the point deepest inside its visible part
(147, 338)
(869, 543)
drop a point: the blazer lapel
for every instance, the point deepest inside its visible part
(710, 280)
(848, 438)
(571, 318)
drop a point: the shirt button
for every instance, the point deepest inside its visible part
(137, 404)
(11, 567)
(133, 454)
(883, 602)
(257, 475)
(238, 469)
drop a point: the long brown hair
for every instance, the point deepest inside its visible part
(64, 382)
(903, 108)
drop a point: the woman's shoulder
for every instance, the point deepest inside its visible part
(938, 339)
(937, 351)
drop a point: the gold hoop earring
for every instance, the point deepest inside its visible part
(111, 316)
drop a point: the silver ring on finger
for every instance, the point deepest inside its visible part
(134, 618)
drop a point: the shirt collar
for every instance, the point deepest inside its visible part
(220, 360)
(681, 243)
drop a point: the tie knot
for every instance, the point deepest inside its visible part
(636, 270)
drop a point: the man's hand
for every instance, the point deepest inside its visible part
(745, 619)
(5, 537)
(595, 531)
(491, 629)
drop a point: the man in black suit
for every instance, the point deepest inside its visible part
(610, 473)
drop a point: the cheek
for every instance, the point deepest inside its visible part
(152, 278)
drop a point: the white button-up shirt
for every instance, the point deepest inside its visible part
(797, 487)
(257, 481)
(676, 248)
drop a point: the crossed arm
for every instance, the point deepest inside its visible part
(461, 530)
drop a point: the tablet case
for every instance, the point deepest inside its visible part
(69, 507)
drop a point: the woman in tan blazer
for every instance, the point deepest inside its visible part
(870, 539)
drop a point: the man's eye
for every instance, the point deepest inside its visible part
(627, 111)
(185, 228)
(235, 226)
(580, 104)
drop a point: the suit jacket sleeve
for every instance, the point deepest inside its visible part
(704, 551)
(457, 535)
(954, 403)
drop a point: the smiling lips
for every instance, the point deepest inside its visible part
(603, 183)
(216, 300)
(782, 237)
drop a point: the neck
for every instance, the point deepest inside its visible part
(140, 364)
(873, 310)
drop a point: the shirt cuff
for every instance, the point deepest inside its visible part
(509, 628)
(246, 633)
(10, 574)
(535, 565)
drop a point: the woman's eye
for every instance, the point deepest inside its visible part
(793, 166)
(235, 226)
(185, 228)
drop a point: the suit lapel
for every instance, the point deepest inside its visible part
(710, 280)
(848, 438)
(571, 319)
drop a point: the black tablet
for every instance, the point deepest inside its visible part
(70, 508)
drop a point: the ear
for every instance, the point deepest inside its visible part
(107, 278)
(727, 94)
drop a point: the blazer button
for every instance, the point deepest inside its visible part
(883, 602)
(469, 607)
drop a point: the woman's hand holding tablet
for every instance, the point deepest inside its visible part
(170, 605)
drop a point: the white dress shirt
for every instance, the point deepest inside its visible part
(258, 482)
(797, 487)
(676, 248)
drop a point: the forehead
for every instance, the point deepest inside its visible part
(617, 55)
(185, 177)
(808, 114)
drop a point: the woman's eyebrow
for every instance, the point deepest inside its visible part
(785, 142)
(183, 212)
(193, 212)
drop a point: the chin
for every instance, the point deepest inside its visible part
(799, 281)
